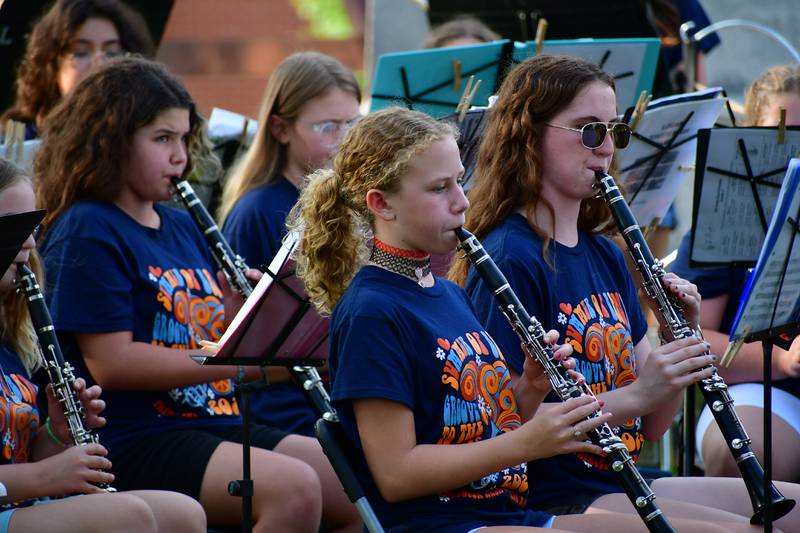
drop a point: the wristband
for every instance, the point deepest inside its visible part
(48, 426)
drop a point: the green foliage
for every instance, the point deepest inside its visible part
(327, 19)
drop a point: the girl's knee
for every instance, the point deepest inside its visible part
(133, 514)
(293, 494)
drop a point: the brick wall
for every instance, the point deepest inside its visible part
(225, 50)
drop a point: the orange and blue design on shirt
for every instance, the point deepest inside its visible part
(479, 404)
(191, 310)
(19, 416)
(598, 329)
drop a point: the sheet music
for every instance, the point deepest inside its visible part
(652, 176)
(755, 314)
(224, 124)
(29, 149)
(727, 225)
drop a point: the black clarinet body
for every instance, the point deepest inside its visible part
(234, 268)
(714, 389)
(531, 334)
(59, 372)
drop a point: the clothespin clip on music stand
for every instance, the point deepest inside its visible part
(466, 98)
(541, 31)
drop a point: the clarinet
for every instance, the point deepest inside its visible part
(531, 334)
(234, 267)
(59, 372)
(714, 389)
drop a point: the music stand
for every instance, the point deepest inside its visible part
(738, 176)
(14, 231)
(433, 81)
(631, 62)
(662, 150)
(770, 307)
(277, 325)
(470, 132)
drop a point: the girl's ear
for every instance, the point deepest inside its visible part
(379, 205)
(279, 128)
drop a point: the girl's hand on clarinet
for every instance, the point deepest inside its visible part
(559, 428)
(92, 404)
(533, 372)
(75, 470)
(92, 407)
(670, 368)
(231, 298)
(687, 295)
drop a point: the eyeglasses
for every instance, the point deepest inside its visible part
(331, 129)
(594, 133)
(84, 56)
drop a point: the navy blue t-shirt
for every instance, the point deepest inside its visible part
(591, 301)
(107, 273)
(719, 281)
(424, 348)
(254, 229)
(19, 414)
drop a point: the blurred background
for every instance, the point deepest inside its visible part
(225, 50)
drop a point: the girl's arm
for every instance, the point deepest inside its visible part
(748, 365)
(118, 363)
(403, 469)
(74, 470)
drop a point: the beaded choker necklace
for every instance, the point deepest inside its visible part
(412, 264)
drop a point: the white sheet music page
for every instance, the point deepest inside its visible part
(727, 224)
(662, 152)
(766, 293)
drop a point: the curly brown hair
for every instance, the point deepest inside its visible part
(508, 171)
(776, 80)
(332, 213)
(85, 141)
(37, 89)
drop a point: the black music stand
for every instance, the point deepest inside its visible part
(14, 231)
(770, 308)
(738, 175)
(470, 133)
(737, 179)
(278, 326)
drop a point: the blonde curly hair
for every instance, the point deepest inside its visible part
(776, 80)
(332, 213)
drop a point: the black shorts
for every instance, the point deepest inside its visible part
(176, 460)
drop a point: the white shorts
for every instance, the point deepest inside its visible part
(784, 405)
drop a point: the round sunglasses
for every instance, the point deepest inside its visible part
(594, 133)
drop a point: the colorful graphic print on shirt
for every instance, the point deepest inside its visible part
(19, 418)
(479, 404)
(598, 329)
(191, 310)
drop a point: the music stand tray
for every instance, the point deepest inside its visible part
(277, 325)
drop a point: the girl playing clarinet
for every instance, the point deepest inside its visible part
(38, 461)
(310, 100)
(440, 433)
(133, 289)
(535, 208)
